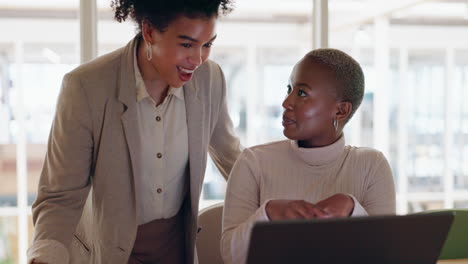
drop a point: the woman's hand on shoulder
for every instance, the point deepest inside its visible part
(293, 209)
(337, 205)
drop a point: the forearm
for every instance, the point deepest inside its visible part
(55, 217)
(224, 145)
(47, 251)
(236, 235)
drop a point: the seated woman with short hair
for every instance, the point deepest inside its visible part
(313, 174)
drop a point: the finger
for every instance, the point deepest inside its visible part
(321, 213)
(304, 209)
(314, 211)
(292, 214)
(317, 211)
(335, 207)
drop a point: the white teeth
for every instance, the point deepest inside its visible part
(185, 70)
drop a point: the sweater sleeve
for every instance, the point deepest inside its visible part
(242, 208)
(358, 210)
(379, 197)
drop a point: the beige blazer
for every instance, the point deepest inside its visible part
(86, 198)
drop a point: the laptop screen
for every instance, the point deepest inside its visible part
(412, 239)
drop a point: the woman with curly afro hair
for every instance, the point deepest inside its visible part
(128, 147)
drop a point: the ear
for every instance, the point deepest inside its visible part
(343, 110)
(147, 31)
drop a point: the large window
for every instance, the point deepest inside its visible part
(413, 54)
(38, 45)
(459, 116)
(415, 63)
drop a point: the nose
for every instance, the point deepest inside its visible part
(288, 102)
(196, 58)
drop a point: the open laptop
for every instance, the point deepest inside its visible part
(410, 239)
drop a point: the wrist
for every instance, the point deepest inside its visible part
(268, 209)
(351, 204)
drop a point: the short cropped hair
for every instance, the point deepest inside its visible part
(160, 13)
(348, 74)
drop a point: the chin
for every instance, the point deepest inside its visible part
(289, 135)
(176, 84)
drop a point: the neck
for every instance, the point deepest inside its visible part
(318, 143)
(157, 88)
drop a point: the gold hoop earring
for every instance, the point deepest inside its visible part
(149, 51)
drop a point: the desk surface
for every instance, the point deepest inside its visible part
(453, 261)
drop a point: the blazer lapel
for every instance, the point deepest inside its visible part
(195, 126)
(127, 96)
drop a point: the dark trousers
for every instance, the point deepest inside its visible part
(160, 241)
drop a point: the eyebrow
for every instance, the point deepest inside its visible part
(185, 37)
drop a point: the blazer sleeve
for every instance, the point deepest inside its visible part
(224, 147)
(65, 179)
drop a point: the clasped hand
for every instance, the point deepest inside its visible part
(338, 205)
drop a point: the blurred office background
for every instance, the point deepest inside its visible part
(414, 54)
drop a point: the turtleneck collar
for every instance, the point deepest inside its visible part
(319, 156)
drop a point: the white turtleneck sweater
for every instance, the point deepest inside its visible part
(282, 170)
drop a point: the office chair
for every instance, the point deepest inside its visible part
(209, 237)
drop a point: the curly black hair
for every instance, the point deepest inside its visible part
(160, 13)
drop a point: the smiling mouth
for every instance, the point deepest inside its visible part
(185, 74)
(185, 70)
